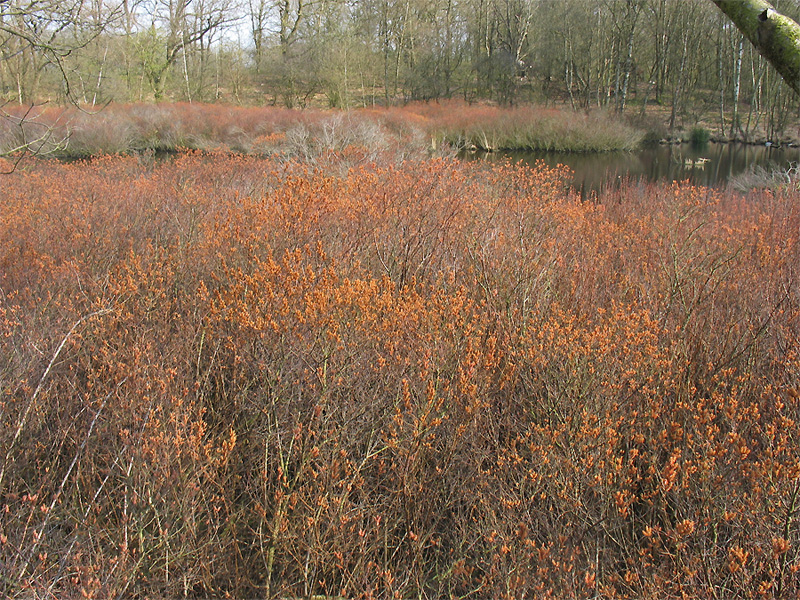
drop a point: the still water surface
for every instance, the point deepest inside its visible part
(710, 165)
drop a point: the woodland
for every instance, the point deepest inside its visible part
(678, 61)
(317, 354)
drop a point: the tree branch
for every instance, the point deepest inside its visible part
(775, 36)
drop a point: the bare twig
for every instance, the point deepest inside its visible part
(32, 402)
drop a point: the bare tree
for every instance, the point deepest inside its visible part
(258, 12)
(36, 37)
(51, 30)
(175, 27)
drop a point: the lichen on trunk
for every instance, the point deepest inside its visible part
(775, 36)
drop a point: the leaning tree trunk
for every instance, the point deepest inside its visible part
(775, 36)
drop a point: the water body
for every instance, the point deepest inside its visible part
(710, 165)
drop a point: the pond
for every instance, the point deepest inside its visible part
(710, 165)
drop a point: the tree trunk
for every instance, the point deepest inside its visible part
(678, 89)
(737, 83)
(774, 35)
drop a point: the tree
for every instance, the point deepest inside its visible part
(258, 12)
(37, 34)
(176, 26)
(36, 38)
(775, 36)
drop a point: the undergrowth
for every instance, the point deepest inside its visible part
(230, 376)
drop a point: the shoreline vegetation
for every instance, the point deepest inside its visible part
(240, 376)
(433, 127)
(417, 129)
(122, 129)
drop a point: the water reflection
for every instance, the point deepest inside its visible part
(710, 165)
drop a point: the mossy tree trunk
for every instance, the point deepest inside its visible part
(775, 36)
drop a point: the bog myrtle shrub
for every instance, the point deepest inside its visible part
(226, 375)
(415, 131)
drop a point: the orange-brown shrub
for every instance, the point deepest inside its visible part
(225, 375)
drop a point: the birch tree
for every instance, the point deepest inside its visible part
(775, 36)
(175, 27)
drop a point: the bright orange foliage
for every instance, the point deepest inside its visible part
(230, 375)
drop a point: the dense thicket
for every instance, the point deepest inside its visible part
(681, 58)
(224, 376)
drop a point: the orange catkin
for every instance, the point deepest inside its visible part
(229, 375)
